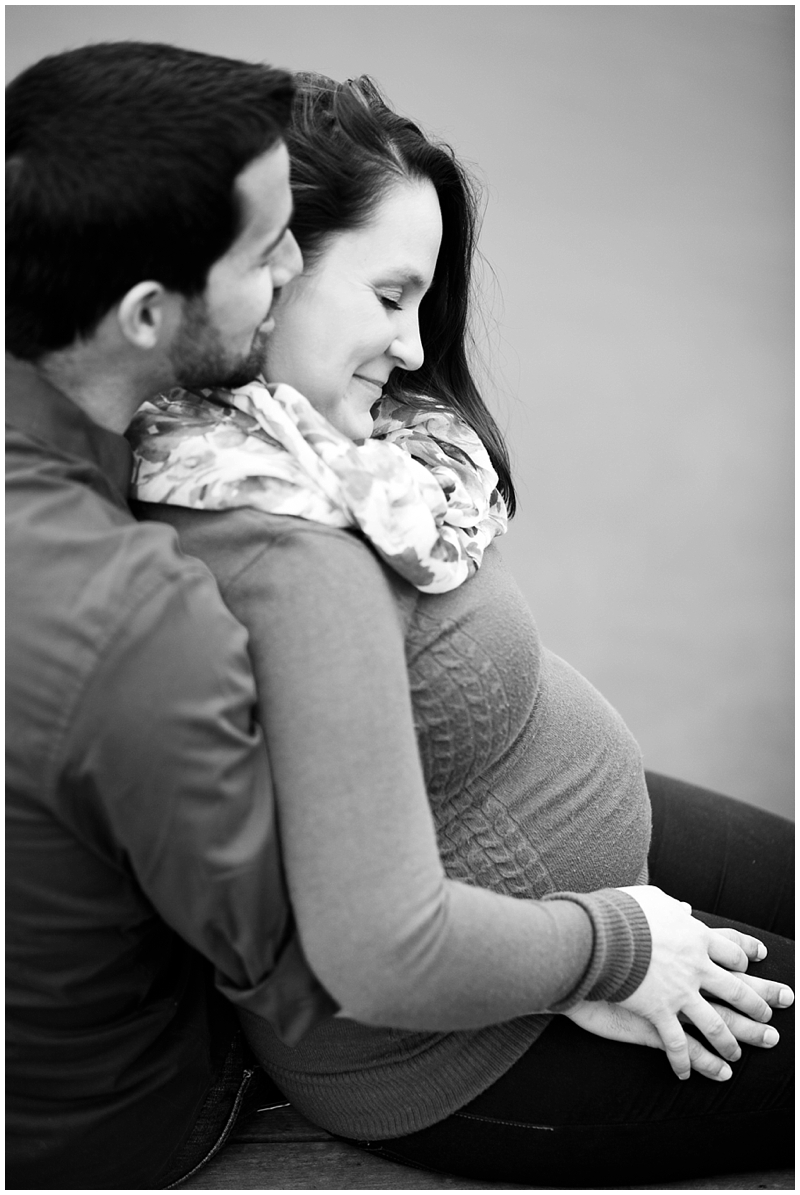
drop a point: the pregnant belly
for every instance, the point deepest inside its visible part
(563, 807)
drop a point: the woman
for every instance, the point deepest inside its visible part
(535, 787)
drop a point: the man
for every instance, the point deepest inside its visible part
(148, 211)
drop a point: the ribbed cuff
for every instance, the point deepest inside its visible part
(622, 946)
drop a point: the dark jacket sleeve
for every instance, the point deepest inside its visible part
(184, 788)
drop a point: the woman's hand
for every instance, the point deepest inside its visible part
(687, 956)
(620, 1024)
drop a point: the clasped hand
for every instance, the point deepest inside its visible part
(689, 959)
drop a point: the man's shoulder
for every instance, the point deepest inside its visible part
(94, 597)
(83, 574)
(60, 524)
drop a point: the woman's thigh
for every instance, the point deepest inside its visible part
(721, 855)
(580, 1111)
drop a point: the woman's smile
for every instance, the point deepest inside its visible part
(375, 388)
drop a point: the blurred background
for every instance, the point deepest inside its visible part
(637, 326)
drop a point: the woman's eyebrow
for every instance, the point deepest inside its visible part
(408, 278)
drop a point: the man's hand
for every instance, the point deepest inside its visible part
(620, 1024)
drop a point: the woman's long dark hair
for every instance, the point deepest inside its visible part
(348, 148)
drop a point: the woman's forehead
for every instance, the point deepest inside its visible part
(402, 235)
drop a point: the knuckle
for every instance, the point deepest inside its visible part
(674, 1044)
(738, 989)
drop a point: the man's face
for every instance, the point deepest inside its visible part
(221, 340)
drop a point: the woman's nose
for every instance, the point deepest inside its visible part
(407, 346)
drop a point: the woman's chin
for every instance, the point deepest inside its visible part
(356, 427)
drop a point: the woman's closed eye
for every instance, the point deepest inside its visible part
(391, 299)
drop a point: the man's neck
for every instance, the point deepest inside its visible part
(107, 390)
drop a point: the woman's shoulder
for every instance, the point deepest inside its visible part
(241, 543)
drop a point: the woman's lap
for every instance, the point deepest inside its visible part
(580, 1111)
(721, 855)
(583, 1112)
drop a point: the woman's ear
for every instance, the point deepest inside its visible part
(144, 314)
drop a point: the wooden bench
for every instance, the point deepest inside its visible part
(277, 1149)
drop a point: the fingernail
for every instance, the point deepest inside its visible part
(762, 951)
(785, 997)
(737, 1055)
(771, 1037)
(724, 1072)
(685, 1075)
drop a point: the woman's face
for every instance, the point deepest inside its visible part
(353, 317)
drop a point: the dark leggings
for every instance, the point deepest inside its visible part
(583, 1112)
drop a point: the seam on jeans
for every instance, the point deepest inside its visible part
(516, 1124)
(617, 1124)
(223, 1137)
(391, 1156)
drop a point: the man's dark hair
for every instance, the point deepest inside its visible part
(120, 165)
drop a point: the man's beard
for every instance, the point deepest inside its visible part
(199, 359)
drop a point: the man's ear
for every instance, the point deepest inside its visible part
(145, 314)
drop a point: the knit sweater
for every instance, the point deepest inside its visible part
(536, 790)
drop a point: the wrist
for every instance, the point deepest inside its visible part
(621, 948)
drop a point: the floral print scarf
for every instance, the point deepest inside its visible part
(422, 490)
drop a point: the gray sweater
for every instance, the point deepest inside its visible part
(536, 791)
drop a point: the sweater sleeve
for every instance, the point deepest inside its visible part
(622, 946)
(391, 938)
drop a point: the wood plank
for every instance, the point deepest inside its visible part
(278, 1124)
(333, 1165)
(285, 1150)
(771, 1180)
(275, 1148)
(321, 1166)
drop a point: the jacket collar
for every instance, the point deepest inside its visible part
(41, 412)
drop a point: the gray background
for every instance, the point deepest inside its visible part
(637, 322)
